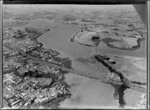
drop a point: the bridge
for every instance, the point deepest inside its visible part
(74, 71)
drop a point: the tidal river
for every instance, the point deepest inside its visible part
(85, 92)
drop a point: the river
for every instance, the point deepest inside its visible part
(85, 92)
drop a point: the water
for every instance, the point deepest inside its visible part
(85, 92)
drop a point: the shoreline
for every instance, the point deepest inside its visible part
(107, 42)
(90, 90)
(139, 40)
(73, 39)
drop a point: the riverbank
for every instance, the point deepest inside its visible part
(118, 42)
(59, 39)
(86, 91)
(134, 47)
(34, 74)
(127, 82)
